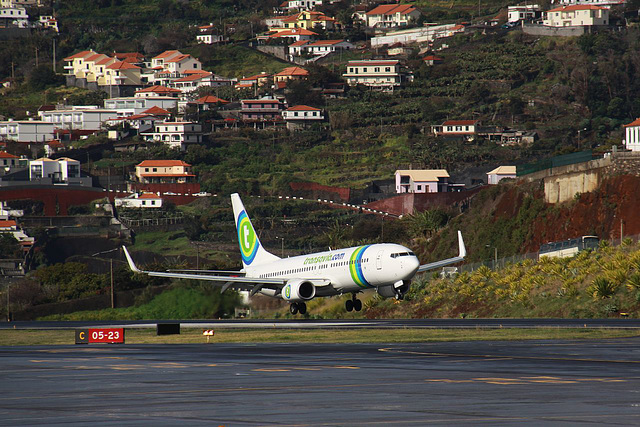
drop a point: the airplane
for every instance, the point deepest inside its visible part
(386, 267)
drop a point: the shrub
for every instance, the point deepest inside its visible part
(601, 287)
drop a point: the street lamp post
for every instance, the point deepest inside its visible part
(281, 246)
(110, 272)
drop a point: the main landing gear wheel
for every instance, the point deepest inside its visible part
(298, 307)
(353, 304)
(348, 305)
(399, 296)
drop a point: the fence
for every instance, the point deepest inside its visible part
(503, 262)
(554, 162)
(150, 222)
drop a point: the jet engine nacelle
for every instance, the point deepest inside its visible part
(399, 288)
(298, 290)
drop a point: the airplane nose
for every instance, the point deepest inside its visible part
(412, 264)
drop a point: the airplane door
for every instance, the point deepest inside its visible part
(379, 260)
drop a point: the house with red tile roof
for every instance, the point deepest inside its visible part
(210, 34)
(290, 73)
(193, 81)
(302, 116)
(432, 60)
(585, 15)
(157, 90)
(259, 80)
(324, 47)
(263, 110)
(463, 128)
(632, 135)
(293, 35)
(309, 20)
(392, 15)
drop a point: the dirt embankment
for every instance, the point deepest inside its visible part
(597, 213)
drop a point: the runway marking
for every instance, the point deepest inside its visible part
(524, 380)
(495, 357)
(270, 370)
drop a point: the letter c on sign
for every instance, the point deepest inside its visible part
(81, 335)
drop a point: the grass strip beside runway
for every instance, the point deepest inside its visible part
(194, 336)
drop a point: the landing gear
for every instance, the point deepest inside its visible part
(298, 307)
(399, 296)
(353, 304)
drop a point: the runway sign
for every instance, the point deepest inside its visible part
(102, 335)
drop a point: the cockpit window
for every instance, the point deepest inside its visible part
(399, 254)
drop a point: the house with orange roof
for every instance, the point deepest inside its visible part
(164, 171)
(432, 60)
(210, 102)
(290, 73)
(193, 81)
(94, 70)
(392, 15)
(258, 80)
(577, 15)
(384, 75)
(302, 116)
(309, 20)
(157, 91)
(291, 35)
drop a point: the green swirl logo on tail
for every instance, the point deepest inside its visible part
(247, 238)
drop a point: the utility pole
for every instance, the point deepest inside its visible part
(111, 271)
(36, 56)
(8, 312)
(54, 55)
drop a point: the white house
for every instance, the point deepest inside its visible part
(127, 106)
(377, 74)
(324, 47)
(456, 128)
(422, 181)
(577, 15)
(300, 4)
(144, 200)
(523, 12)
(604, 3)
(59, 171)
(301, 116)
(500, 173)
(209, 34)
(175, 61)
(175, 134)
(632, 136)
(84, 119)
(392, 15)
(14, 17)
(194, 81)
(26, 130)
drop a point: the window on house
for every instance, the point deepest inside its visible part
(377, 69)
(419, 187)
(155, 169)
(387, 69)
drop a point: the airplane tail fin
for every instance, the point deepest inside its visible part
(252, 251)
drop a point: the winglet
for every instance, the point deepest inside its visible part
(463, 250)
(132, 265)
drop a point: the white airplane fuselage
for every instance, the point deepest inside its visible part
(349, 269)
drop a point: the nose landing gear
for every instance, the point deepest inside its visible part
(298, 307)
(353, 304)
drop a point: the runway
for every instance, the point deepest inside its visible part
(484, 383)
(342, 323)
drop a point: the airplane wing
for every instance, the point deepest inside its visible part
(438, 264)
(235, 282)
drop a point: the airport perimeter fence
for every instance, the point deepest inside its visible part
(554, 162)
(503, 262)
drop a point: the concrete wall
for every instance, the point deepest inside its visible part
(563, 183)
(543, 30)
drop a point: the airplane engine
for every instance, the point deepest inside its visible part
(298, 290)
(397, 289)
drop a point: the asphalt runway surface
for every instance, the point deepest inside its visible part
(459, 383)
(349, 323)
